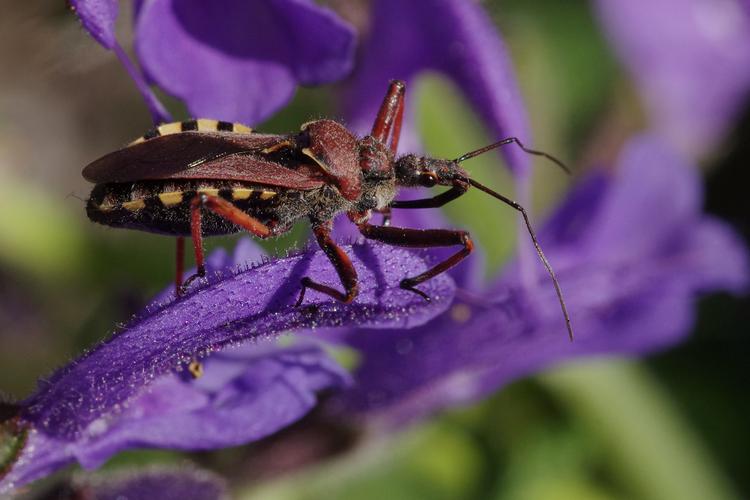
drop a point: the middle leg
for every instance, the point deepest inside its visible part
(421, 238)
(341, 262)
(224, 209)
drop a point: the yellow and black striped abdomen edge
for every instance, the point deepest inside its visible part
(199, 125)
(174, 198)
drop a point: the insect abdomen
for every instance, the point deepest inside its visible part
(164, 207)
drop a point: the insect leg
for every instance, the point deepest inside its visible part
(389, 115)
(341, 262)
(197, 234)
(224, 209)
(437, 201)
(396, 133)
(421, 238)
(179, 264)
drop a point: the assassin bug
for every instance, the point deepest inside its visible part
(206, 177)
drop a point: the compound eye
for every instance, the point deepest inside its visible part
(427, 179)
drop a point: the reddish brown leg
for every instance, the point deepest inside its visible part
(341, 262)
(226, 210)
(390, 114)
(179, 264)
(421, 238)
(454, 192)
(396, 134)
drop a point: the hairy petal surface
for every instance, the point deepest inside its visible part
(456, 39)
(245, 394)
(630, 263)
(133, 390)
(241, 60)
(691, 61)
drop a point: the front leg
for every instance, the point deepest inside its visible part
(421, 238)
(437, 201)
(341, 262)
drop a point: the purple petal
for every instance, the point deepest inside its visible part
(459, 41)
(98, 18)
(184, 483)
(255, 304)
(241, 60)
(124, 393)
(631, 297)
(244, 395)
(691, 61)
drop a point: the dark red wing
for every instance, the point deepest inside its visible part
(201, 155)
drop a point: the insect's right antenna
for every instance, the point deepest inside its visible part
(514, 140)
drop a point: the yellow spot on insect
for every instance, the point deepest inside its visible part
(460, 313)
(106, 207)
(267, 195)
(241, 193)
(241, 129)
(209, 191)
(138, 141)
(171, 198)
(134, 205)
(170, 128)
(207, 125)
(277, 146)
(195, 368)
(309, 153)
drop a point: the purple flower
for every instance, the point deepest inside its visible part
(632, 251)
(241, 60)
(691, 61)
(133, 390)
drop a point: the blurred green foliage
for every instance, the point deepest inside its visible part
(673, 426)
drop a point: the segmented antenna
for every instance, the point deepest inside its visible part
(516, 141)
(539, 252)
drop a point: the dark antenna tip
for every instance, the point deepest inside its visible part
(538, 248)
(514, 140)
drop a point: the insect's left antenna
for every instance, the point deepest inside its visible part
(512, 140)
(539, 251)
